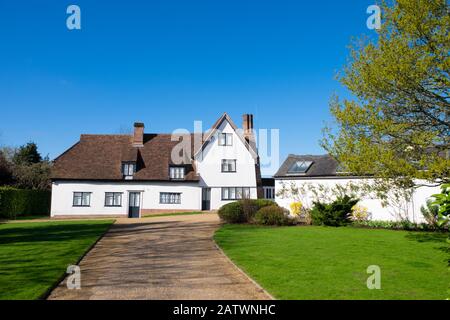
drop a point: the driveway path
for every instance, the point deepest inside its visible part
(160, 258)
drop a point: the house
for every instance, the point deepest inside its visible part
(314, 172)
(143, 173)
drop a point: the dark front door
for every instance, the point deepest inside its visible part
(134, 205)
(206, 199)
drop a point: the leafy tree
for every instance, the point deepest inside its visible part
(398, 124)
(33, 176)
(27, 154)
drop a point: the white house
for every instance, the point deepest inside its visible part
(309, 173)
(132, 175)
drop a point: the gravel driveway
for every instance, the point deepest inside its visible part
(160, 258)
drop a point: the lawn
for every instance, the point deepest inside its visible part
(34, 255)
(331, 263)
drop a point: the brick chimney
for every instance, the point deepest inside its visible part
(247, 126)
(138, 136)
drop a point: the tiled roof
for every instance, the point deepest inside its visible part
(322, 166)
(100, 157)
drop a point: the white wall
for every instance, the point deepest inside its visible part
(394, 212)
(209, 167)
(62, 196)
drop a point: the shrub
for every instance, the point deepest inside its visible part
(443, 201)
(296, 208)
(232, 213)
(243, 210)
(359, 213)
(18, 202)
(336, 213)
(394, 225)
(430, 213)
(272, 215)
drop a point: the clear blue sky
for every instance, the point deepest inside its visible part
(168, 63)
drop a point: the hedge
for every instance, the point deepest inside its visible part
(243, 211)
(18, 202)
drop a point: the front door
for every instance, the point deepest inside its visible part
(134, 205)
(206, 199)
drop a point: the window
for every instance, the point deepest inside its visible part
(128, 169)
(113, 199)
(228, 165)
(300, 167)
(225, 139)
(269, 192)
(235, 193)
(169, 198)
(176, 172)
(81, 199)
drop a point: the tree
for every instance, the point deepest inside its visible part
(34, 176)
(27, 154)
(397, 128)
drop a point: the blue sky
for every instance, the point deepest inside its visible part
(168, 63)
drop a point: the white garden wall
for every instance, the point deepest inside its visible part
(393, 212)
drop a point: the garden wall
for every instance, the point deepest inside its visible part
(395, 211)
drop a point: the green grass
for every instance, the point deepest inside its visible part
(331, 263)
(34, 255)
(171, 214)
(21, 218)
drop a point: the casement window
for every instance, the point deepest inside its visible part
(113, 199)
(176, 173)
(169, 198)
(235, 193)
(225, 139)
(81, 199)
(228, 165)
(269, 192)
(128, 169)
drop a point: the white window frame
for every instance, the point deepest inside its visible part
(177, 173)
(116, 199)
(85, 199)
(225, 139)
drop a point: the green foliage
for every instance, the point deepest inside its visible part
(336, 213)
(27, 154)
(243, 211)
(395, 225)
(272, 216)
(399, 123)
(17, 202)
(443, 201)
(430, 213)
(34, 176)
(232, 213)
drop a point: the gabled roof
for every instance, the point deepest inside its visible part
(214, 130)
(100, 157)
(322, 166)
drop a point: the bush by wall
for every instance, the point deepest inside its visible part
(272, 216)
(336, 213)
(18, 202)
(397, 225)
(243, 211)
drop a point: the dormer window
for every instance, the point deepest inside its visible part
(300, 167)
(128, 169)
(176, 173)
(225, 139)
